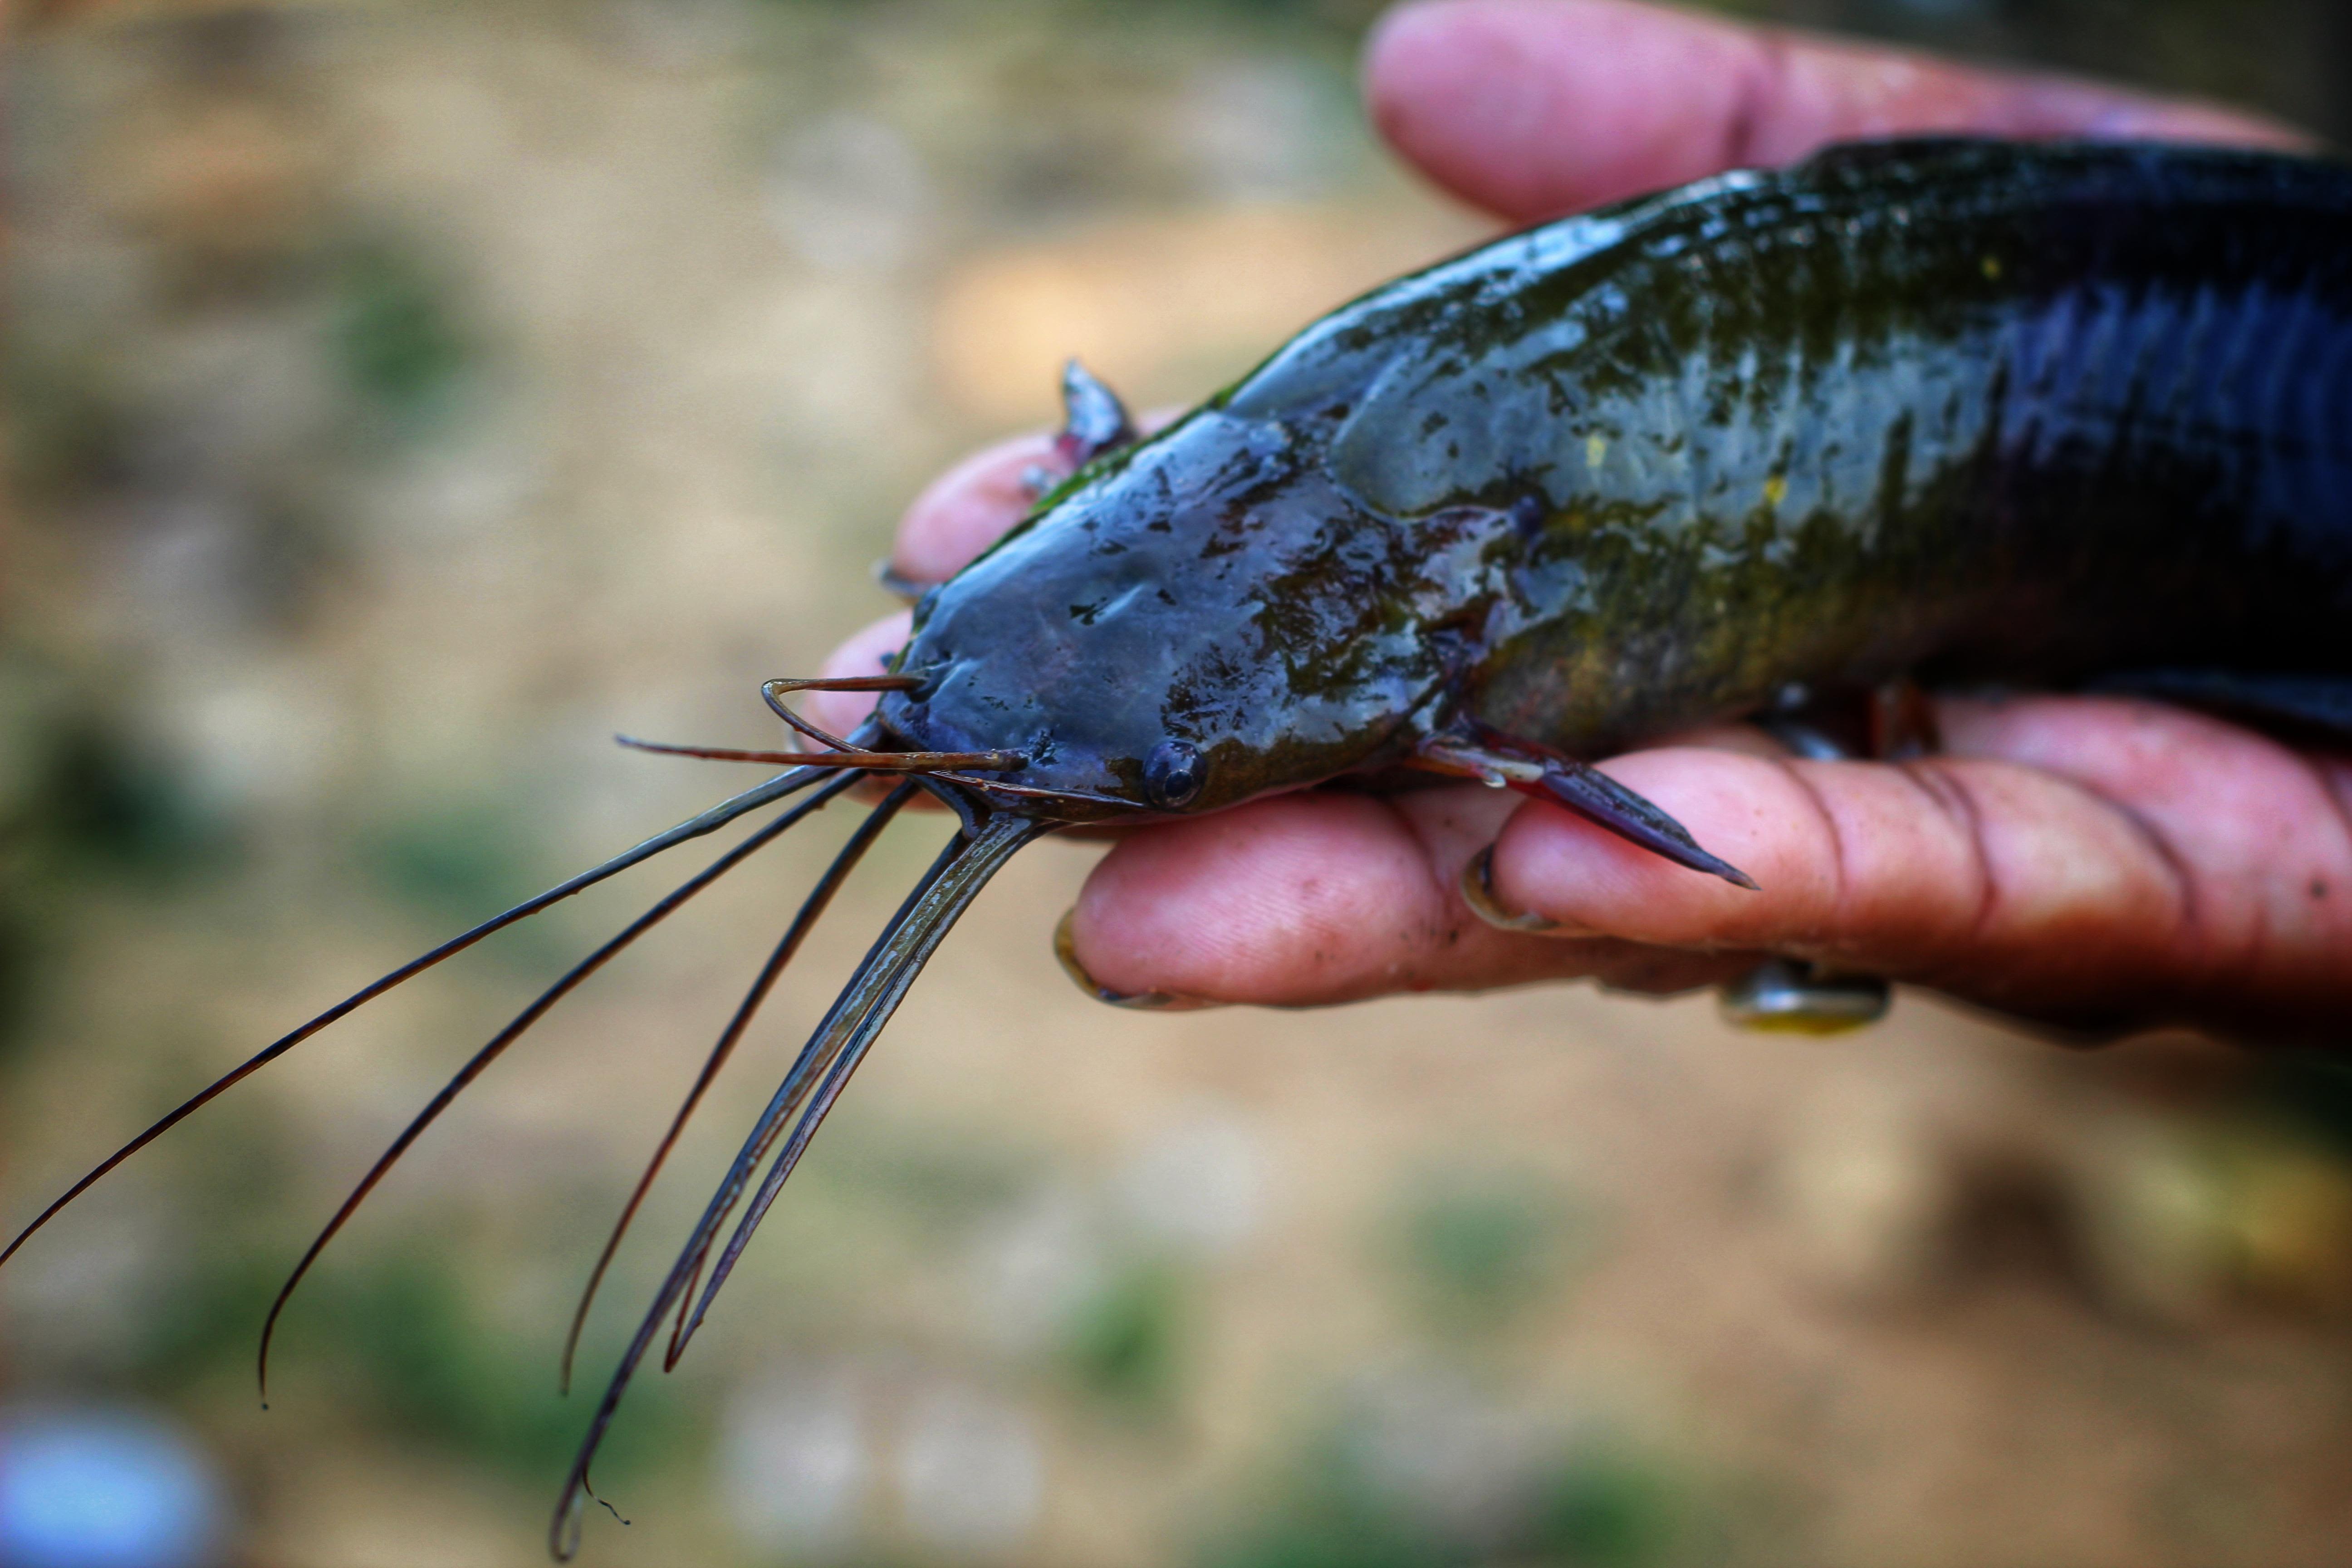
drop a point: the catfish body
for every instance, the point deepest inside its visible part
(1971, 410)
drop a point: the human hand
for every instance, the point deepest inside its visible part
(2091, 862)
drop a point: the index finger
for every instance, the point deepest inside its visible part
(1533, 107)
(968, 509)
(964, 510)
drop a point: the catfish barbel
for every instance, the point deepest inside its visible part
(1956, 411)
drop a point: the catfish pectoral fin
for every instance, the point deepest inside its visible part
(1507, 762)
(1602, 801)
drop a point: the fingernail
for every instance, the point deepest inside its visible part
(1065, 950)
(1478, 893)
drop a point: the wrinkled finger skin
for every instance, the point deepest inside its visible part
(2096, 863)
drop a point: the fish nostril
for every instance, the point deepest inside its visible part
(1529, 513)
(928, 680)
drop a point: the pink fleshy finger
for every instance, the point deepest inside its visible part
(1533, 107)
(839, 712)
(967, 509)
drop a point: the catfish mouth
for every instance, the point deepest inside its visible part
(1041, 801)
(977, 769)
(934, 714)
(1127, 778)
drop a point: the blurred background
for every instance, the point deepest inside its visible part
(404, 397)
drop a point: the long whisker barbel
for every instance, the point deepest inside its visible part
(515, 1029)
(865, 761)
(985, 839)
(814, 906)
(564, 1528)
(914, 934)
(773, 693)
(817, 1055)
(800, 777)
(844, 753)
(827, 1049)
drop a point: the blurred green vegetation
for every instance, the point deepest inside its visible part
(393, 1331)
(1587, 1506)
(68, 427)
(456, 860)
(112, 800)
(1125, 1343)
(1602, 1510)
(390, 1340)
(396, 336)
(936, 1180)
(91, 806)
(89, 790)
(21, 964)
(405, 1326)
(1477, 1247)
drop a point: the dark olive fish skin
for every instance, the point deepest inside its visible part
(1965, 409)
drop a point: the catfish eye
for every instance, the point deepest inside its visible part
(1172, 774)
